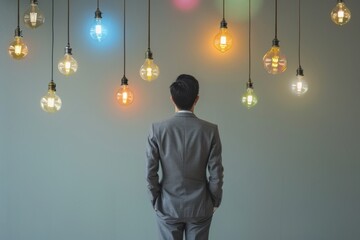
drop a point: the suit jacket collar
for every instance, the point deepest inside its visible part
(184, 114)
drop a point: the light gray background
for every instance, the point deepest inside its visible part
(292, 165)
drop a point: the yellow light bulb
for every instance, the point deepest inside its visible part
(33, 17)
(340, 14)
(51, 102)
(149, 71)
(274, 61)
(223, 41)
(17, 49)
(68, 65)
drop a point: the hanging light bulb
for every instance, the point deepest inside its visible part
(18, 49)
(51, 102)
(249, 99)
(33, 17)
(299, 86)
(98, 31)
(223, 41)
(124, 95)
(149, 71)
(274, 61)
(340, 14)
(68, 65)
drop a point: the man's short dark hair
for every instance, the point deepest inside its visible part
(184, 91)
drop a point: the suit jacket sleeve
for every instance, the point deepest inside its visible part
(216, 170)
(152, 166)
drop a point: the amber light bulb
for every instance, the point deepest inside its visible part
(223, 41)
(274, 61)
(124, 95)
(18, 49)
(340, 14)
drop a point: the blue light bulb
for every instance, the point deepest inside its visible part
(98, 30)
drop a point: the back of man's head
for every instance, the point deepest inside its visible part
(184, 91)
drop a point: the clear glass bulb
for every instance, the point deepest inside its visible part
(18, 49)
(98, 31)
(124, 95)
(33, 17)
(68, 65)
(340, 14)
(51, 102)
(274, 61)
(299, 85)
(249, 99)
(223, 41)
(149, 71)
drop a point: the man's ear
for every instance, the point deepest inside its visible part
(196, 99)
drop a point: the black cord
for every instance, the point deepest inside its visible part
(149, 24)
(299, 32)
(18, 25)
(276, 19)
(124, 40)
(223, 9)
(97, 4)
(249, 40)
(52, 41)
(68, 23)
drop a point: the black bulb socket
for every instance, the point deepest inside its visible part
(300, 71)
(52, 86)
(148, 54)
(18, 32)
(275, 42)
(98, 14)
(124, 81)
(68, 50)
(34, 2)
(249, 84)
(223, 23)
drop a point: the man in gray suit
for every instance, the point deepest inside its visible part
(185, 147)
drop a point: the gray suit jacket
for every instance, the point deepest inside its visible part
(185, 147)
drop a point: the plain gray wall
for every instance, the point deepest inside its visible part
(292, 165)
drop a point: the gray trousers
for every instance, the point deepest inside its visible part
(175, 229)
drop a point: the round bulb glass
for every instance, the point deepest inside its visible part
(33, 17)
(124, 95)
(51, 102)
(149, 71)
(340, 15)
(274, 61)
(18, 49)
(98, 31)
(68, 65)
(299, 86)
(223, 41)
(249, 99)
